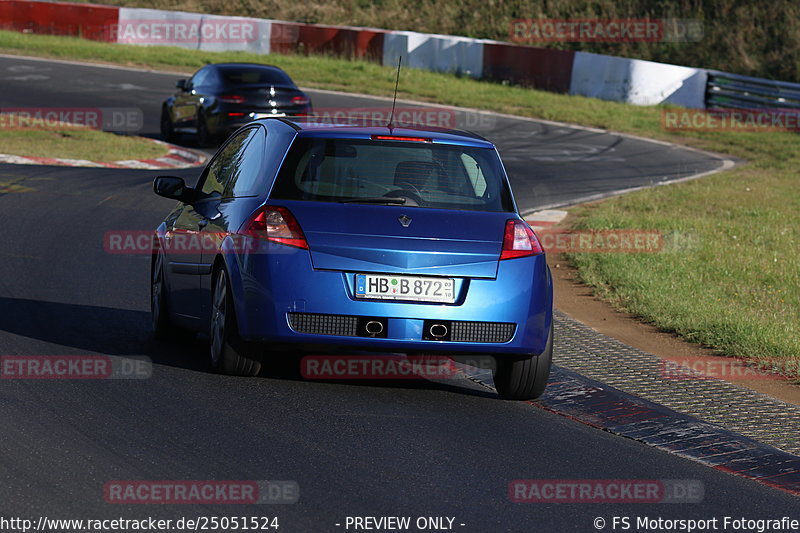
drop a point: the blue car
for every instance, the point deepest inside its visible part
(306, 238)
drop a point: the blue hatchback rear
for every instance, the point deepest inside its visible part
(324, 237)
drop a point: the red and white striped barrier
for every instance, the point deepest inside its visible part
(177, 157)
(605, 77)
(59, 18)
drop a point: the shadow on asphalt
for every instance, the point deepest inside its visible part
(122, 332)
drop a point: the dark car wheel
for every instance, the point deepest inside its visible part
(524, 378)
(204, 137)
(167, 129)
(229, 354)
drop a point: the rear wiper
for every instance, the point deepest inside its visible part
(375, 200)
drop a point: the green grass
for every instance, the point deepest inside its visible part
(732, 282)
(733, 286)
(76, 143)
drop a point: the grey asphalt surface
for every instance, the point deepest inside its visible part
(421, 448)
(549, 165)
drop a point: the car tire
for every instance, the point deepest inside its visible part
(229, 353)
(163, 329)
(168, 132)
(524, 378)
(204, 138)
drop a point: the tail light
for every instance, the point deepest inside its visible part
(275, 224)
(399, 138)
(519, 241)
(299, 100)
(231, 98)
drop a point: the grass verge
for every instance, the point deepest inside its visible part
(735, 285)
(72, 142)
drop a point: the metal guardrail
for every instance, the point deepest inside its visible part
(743, 92)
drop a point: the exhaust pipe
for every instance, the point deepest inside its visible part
(438, 331)
(373, 327)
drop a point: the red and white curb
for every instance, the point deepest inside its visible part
(177, 157)
(540, 220)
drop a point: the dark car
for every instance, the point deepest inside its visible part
(363, 238)
(221, 97)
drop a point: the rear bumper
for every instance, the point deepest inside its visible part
(269, 286)
(222, 123)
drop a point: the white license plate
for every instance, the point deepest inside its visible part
(411, 288)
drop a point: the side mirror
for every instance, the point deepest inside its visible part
(181, 84)
(173, 188)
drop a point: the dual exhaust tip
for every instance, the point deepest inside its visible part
(438, 331)
(374, 327)
(432, 330)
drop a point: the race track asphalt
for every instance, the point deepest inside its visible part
(400, 448)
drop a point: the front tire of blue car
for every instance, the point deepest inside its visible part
(229, 353)
(524, 378)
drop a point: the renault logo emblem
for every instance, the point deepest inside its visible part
(404, 220)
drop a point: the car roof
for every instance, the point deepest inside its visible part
(312, 129)
(245, 64)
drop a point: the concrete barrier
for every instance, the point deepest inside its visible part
(637, 82)
(437, 53)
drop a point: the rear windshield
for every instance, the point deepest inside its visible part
(422, 174)
(254, 75)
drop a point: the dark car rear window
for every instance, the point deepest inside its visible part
(428, 174)
(254, 75)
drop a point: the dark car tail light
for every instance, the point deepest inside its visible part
(519, 241)
(231, 98)
(276, 224)
(299, 100)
